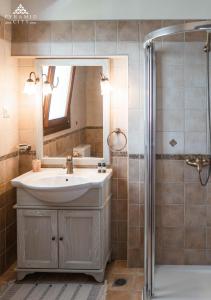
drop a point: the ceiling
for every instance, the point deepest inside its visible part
(112, 9)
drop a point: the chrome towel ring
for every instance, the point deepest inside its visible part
(116, 131)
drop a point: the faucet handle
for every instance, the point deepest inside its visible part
(191, 162)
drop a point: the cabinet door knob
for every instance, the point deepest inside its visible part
(61, 238)
(53, 238)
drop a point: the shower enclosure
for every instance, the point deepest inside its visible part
(177, 162)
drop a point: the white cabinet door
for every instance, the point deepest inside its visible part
(79, 239)
(37, 238)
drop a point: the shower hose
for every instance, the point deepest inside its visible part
(207, 50)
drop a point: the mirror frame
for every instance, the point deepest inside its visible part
(82, 161)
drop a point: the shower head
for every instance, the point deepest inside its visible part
(207, 45)
(206, 27)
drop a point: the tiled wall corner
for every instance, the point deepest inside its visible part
(119, 207)
(7, 212)
(136, 213)
(8, 147)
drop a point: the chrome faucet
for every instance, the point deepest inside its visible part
(199, 162)
(69, 165)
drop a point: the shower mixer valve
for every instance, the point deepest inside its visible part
(198, 162)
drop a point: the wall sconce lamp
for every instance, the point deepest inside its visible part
(105, 85)
(30, 85)
(47, 87)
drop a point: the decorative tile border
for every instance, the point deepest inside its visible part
(28, 152)
(10, 155)
(171, 156)
(113, 154)
(181, 156)
(93, 127)
(136, 156)
(119, 154)
(122, 154)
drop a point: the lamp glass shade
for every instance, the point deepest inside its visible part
(105, 87)
(29, 87)
(47, 88)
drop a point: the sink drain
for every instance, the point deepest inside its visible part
(120, 282)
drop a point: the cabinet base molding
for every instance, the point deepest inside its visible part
(97, 274)
(21, 274)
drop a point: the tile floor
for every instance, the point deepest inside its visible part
(135, 281)
(117, 269)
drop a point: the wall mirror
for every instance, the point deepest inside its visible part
(73, 113)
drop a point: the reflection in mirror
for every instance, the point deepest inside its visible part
(73, 112)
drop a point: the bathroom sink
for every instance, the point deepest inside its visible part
(55, 188)
(55, 182)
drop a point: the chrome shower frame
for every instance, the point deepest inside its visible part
(150, 143)
(150, 158)
(175, 29)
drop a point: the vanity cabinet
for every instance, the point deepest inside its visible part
(64, 237)
(72, 242)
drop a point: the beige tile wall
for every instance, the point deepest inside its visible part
(183, 210)
(182, 204)
(136, 211)
(27, 108)
(8, 147)
(8, 95)
(94, 137)
(110, 38)
(8, 170)
(119, 207)
(181, 105)
(119, 96)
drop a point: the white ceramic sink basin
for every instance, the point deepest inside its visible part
(55, 188)
(55, 182)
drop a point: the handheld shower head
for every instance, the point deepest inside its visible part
(206, 27)
(207, 45)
